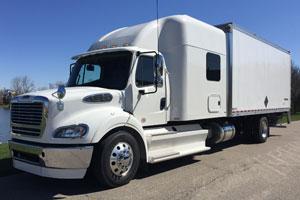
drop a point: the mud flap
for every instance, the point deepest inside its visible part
(289, 119)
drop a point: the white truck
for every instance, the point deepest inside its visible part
(149, 93)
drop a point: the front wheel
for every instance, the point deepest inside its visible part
(116, 159)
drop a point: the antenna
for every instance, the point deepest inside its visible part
(157, 26)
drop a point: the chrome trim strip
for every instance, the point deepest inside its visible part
(49, 172)
(59, 158)
(35, 150)
(255, 112)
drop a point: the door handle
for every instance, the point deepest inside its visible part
(162, 103)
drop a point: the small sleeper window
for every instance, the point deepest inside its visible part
(213, 67)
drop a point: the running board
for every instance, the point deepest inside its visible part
(175, 141)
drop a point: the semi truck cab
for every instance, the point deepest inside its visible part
(114, 89)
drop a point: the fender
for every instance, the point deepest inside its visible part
(118, 118)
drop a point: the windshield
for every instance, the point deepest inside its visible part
(106, 70)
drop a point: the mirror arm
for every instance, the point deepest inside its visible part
(141, 92)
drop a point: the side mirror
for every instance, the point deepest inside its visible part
(90, 68)
(61, 92)
(159, 68)
(159, 65)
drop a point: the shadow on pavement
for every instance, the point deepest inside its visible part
(27, 186)
(153, 169)
(6, 168)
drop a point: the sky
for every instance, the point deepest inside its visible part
(39, 37)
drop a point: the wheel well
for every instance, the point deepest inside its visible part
(132, 132)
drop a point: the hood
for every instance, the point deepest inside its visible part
(75, 93)
(73, 110)
(73, 100)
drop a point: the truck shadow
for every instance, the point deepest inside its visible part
(240, 140)
(154, 169)
(26, 186)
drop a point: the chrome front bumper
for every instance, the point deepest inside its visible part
(53, 162)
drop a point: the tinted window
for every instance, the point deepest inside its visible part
(213, 67)
(145, 72)
(106, 70)
(88, 73)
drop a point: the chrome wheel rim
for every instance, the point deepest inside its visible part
(264, 130)
(121, 159)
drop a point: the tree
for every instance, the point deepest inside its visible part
(42, 88)
(295, 88)
(56, 84)
(22, 84)
(1, 96)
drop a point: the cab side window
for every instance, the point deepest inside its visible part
(213, 67)
(145, 72)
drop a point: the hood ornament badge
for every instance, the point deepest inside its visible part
(60, 94)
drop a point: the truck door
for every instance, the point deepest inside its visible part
(149, 100)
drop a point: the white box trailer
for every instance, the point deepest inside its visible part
(259, 74)
(149, 93)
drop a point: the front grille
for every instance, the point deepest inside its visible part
(26, 131)
(27, 118)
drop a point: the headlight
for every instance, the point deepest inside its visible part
(73, 131)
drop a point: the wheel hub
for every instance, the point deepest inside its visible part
(121, 159)
(264, 129)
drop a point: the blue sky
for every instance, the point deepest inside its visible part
(38, 38)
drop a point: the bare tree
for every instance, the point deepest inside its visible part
(56, 84)
(22, 84)
(295, 88)
(42, 88)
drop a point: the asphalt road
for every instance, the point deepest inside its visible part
(234, 170)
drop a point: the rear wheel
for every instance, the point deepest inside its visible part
(116, 159)
(261, 130)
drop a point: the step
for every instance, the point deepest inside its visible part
(170, 153)
(170, 142)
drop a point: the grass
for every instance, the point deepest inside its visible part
(294, 117)
(4, 106)
(4, 151)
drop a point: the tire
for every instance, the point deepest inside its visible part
(248, 129)
(261, 130)
(116, 160)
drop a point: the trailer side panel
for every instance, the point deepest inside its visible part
(261, 75)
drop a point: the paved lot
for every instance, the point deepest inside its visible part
(234, 170)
